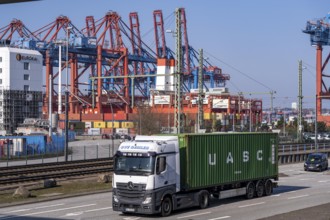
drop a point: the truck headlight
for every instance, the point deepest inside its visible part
(115, 199)
(147, 200)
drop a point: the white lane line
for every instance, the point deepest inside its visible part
(296, 197)
(188, 216)
(82, 212)
(56, 210)
(20, 210)
(277, 195)
(223, 217)
(49, 206)
(41, 207)
(95, 210)
(291, 192)
(323, 181)
(243, 206)
(306, 179)
(74, 214)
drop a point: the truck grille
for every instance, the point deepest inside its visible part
(130, 190)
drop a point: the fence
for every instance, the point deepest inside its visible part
(95, 149)
(54, 152)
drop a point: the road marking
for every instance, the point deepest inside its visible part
(223, 217)
(56, 210)
(20, 210)
(288, 170)
(296, 197)
(95, 210)
(74, 214)
(306, 179)
(243, 206)
(82, 212)
(130, 218)
(188, 216)
(42, 207)
(323, 181)
(275, 195)
(291, 192)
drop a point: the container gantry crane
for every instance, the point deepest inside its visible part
(319, 32)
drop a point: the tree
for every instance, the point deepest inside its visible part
(147, 122)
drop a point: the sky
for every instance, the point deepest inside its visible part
(257, 42)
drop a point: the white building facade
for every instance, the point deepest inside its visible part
(21, 84)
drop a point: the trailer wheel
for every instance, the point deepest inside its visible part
(203, 199)
(268, 187)
(166, 207)
(260, 188)
(250, 190)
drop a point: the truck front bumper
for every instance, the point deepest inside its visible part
(133, 207)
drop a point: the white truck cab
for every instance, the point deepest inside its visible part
(145, 170)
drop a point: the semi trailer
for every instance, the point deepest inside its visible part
(159, 174)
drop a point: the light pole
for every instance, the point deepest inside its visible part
(67, 97)
(113, 127)
(316, 147)
(250, 121)
(50, 106)
(59, 79)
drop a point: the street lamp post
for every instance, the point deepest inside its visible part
(50, 106)
(316, 147)
(250, 121)
(67, 97)
(113, 127)
(59, 79)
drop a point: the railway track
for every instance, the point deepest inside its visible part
(20, 174)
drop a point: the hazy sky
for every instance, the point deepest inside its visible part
(257, 42)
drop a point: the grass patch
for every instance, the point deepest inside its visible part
(63, 188)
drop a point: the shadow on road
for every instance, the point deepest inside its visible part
(285, 189)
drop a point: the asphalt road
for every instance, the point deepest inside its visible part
(298, 190)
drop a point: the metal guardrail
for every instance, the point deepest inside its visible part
(285, 149)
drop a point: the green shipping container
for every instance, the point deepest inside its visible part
(208, 160)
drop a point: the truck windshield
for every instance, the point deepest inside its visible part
(134, 165)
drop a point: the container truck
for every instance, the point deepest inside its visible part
(159, 174)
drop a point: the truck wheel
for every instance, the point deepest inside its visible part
(260, 188)
(250, 190)
(268, 187)
(203, 199)
(166, 207)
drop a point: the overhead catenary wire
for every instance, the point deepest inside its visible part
(241, 72)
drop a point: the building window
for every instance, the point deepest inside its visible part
(26, 66)
(26, 88)
(26, 77)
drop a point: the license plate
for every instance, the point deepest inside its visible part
(129, 209)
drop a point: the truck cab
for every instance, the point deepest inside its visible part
(145, 170)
